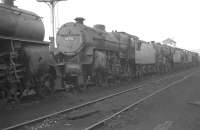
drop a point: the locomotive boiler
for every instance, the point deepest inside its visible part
(25, 61)
(20, 23)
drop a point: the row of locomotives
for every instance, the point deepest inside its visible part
(26, 66)
(184, 59)
(152, 58)
(91, 56)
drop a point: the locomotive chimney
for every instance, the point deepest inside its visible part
(8, 2)
(79, 20)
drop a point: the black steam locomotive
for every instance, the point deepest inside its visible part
(26, 65)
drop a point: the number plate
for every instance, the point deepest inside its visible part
(69, 38)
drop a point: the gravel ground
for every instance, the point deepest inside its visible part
(76, 121)
(13, 114)
(168, 110)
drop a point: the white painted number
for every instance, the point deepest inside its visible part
(69, 38)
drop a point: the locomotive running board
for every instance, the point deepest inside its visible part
(24, 40)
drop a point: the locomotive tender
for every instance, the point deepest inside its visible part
(92, 55)
(25, 61)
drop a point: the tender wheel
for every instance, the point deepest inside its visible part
(45, 85)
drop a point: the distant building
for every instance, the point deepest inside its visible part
(170, 42)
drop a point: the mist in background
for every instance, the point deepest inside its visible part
(150, 20)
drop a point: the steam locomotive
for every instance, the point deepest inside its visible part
(93, 56)
(26, 65)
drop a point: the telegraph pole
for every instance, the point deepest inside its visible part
(52, 4)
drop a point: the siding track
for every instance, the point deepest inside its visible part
(142, 85)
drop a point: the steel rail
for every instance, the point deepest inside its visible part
(137, 102)
(141, 85)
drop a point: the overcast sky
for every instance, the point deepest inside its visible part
(150, 20)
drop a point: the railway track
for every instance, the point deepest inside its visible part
(76, 109)
(102, 122)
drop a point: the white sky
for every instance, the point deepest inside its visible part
(150, 20)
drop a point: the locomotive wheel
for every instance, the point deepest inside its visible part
(10, 95)
(3, 96)
(45, 85)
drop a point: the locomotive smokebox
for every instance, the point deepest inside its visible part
(8, 2)
(79, 20)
